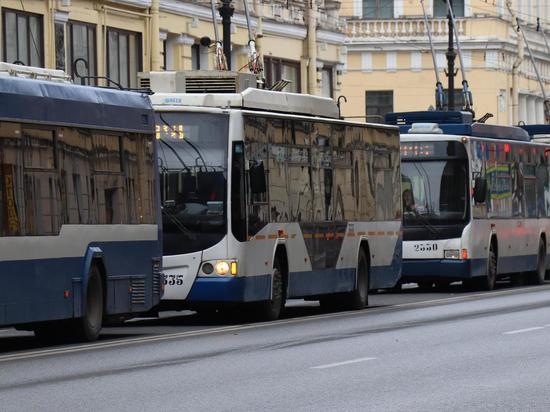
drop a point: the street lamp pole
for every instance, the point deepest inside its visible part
(451, 55)
(226, 12)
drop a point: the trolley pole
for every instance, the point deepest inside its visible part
(451, 55)
(226, 12)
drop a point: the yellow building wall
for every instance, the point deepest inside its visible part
(123, 16)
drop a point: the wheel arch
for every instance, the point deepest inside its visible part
(94, 257)
(364, 246)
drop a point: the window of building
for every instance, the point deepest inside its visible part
(416, 60)
(81, 44)
(326, 81)
(377, 9)
(59, 46)
(440, 8)
(277, 69)
(23, 40)
(196, 56)
(123, 56)
(378, 103)
(391, 61)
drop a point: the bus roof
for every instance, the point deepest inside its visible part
(55, 103)
(536, 129)
(453, 123)
(256, 99)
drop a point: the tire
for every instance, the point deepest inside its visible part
(488, 281)
(537, 277)
(359, 298)
(271, 309)
(88, 327)
(425, 285)
(442, 285)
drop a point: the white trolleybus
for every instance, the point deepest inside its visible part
(268, 196)
(475, 201)
(79, 216)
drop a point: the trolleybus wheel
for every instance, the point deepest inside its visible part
(488, 281)
(88, 326)
(425, 284)
(442, 285)
(271, 309)
(537, 277)
(359, 298)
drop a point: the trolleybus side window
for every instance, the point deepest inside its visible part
(238, 193)
(41, 182)
(279, 137)
(11, 212)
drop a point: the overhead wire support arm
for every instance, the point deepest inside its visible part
(532, 58)
(221, 63)
(465, 87)
(438, 84)
(254, 61)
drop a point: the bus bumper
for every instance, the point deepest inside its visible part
(419, 269)
(231, 289)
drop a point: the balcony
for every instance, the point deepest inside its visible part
(358, 30)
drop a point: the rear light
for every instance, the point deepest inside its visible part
(464, 254)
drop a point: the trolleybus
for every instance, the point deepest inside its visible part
(79, 232)
(268, 196)
(475, 200)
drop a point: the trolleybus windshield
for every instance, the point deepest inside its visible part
(192, 151)
(434, 192)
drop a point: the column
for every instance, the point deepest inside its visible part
(183, 59)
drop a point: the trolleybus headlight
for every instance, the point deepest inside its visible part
(452, 254)
(219, 267)
(222, 268)
(207, 268)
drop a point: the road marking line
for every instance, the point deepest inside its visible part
(202, 332)
(348, 362)
(513, 332)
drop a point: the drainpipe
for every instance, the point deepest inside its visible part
(155, 36)
(515, 67)
(312, 46)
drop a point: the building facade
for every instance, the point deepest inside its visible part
(389, 65)
(299, 41)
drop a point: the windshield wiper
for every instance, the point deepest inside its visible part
(178, 224)
(424, 221)
(187, 169)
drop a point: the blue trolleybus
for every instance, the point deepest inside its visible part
(79, 233)
(476, 200)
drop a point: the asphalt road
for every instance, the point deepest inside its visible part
(409, 351)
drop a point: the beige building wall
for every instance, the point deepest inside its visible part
(280, 28)
(392, 54)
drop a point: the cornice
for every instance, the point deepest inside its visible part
(293, 31)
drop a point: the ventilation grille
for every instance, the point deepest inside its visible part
(156, 284)
(205, 84)
(138, 291)
(145, 83)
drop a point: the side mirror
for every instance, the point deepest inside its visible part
(257, 177)
(480, 189)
